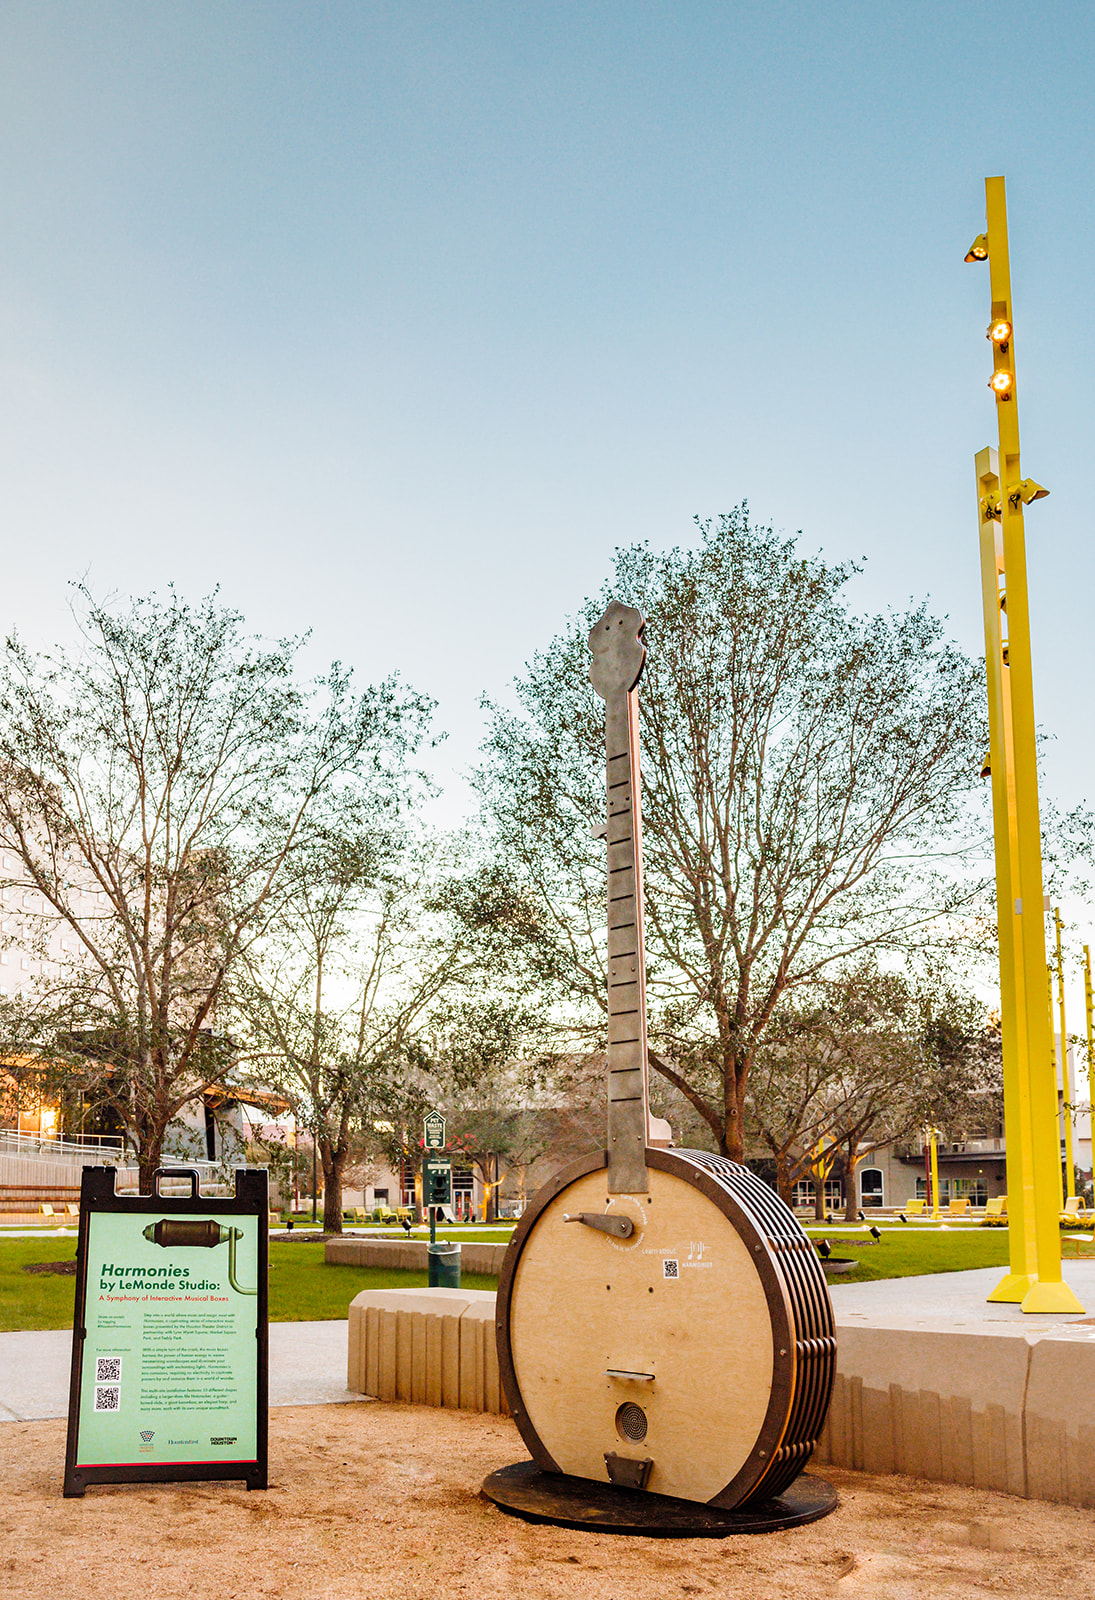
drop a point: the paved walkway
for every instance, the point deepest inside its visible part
(955, 1297)
(308, 1359)
(307, 1368)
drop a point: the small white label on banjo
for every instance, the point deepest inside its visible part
(671, 1268)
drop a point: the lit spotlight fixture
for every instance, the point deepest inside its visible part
(876, 1236)
(1001, 384)
(986, 772)
(1029, 491)
(999, 332)
(979, 249)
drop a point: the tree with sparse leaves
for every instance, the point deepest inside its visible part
(367, 1000)
(809, 777)
(871, 1059)
(158, 786)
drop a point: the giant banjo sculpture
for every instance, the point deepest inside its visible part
(663, 1321)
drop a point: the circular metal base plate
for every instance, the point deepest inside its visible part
(525, 1491)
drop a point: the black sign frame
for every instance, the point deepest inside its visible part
(97, 1195)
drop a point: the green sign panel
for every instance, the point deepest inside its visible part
(170, 1335)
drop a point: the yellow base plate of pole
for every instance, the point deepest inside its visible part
(1014, 1287)
(1051, 1297)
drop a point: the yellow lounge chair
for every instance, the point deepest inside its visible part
(915, 1208)
(958, 1208)
(46, 1209)
(996, 1213)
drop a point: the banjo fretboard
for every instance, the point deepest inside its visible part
(618, 656)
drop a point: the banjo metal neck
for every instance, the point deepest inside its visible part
(618, 656)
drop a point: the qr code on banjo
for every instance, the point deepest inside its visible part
(107, 1396)
(108, 1369)
(670, 1268)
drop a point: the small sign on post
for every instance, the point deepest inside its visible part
(433, 1128)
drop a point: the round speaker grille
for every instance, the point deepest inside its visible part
(631, 1421)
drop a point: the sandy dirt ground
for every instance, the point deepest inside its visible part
(373, 1500)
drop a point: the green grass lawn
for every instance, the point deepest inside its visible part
(905, 1252)
(302, 1287)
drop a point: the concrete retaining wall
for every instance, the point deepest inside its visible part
(996, 1405)
(409, 1255)
(433, 1347)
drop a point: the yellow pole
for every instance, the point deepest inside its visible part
(1053, 1071)
(1062, 1055)
(932, 1132)
(1090, 1053)
(1018, 1138)
(1049, 1293)
(1090, 1043)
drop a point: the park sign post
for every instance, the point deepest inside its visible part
(169, 1335)
(433, 1131)
(443, 1261)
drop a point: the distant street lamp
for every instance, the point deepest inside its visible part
(932, 1134)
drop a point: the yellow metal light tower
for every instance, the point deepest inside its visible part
(1090, 1041)
(1015, 786)
(1062, 1059)
(1018, 1131)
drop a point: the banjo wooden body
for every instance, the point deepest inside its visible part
(663, 1321)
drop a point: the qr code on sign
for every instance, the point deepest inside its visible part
(107, 1396)
(108, 1369)
(670, 1268)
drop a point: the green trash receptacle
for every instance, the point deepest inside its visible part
(443, 1265)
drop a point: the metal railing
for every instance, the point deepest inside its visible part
(109, 1148)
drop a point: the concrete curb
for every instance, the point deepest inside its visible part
(409, 1254)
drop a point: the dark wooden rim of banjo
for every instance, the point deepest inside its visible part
(798, 1302)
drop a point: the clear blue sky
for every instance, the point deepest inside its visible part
(394, 319)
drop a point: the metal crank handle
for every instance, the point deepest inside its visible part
(618, 1227)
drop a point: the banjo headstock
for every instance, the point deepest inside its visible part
(619, 650)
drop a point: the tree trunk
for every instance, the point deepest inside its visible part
(149, 1157)
(334, 1160)
(851, 1159)
(735, 1078)
(819, 1197)
(784, 1183)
